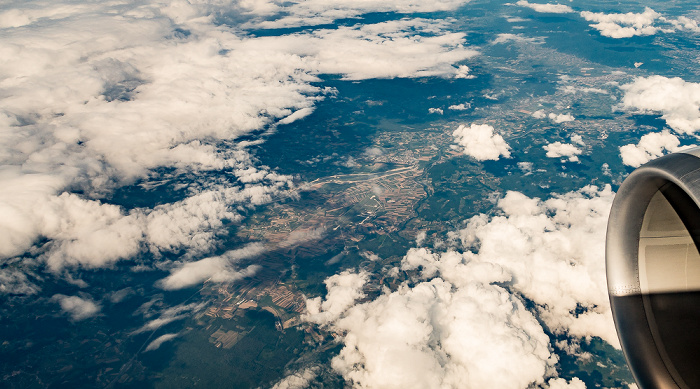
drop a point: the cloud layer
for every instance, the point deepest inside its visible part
(461, 321)
(430, 336)
(274, 14)
(165, 86)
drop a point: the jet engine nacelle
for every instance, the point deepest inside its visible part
(653, 270)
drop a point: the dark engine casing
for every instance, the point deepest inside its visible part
(653, 270)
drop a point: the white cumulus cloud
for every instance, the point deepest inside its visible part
(623, 25)
(558, 150)
(343, 290)
(15, 281)
(560, 383)
(686, 23)
(556, 118)
(518, 38)
(91, 234)
(79, 308)
(555, 249)
(463, 72)
(577, 139)
(460, 107)
(480, 142)
(539, 114)
(649, 22)
(546, 8)
(650, 146)
(298, 380)
(382, 50)
(455, 325)
(435, 335)
(561, 118)
(676, 100)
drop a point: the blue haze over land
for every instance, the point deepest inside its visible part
(325, 193)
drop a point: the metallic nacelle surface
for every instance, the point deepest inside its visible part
(653, 270)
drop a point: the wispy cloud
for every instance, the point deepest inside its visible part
(157, 342)
(217, 269)
(170, 315)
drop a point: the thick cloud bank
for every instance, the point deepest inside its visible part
(382, 50)
(650, 146)
(462, 321)
(480, 142)
(101, 95)
(91, 234)
(546, 8)
(432, 336)
(676, 100)
(555, 250)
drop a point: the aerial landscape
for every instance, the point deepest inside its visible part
(325, 194)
